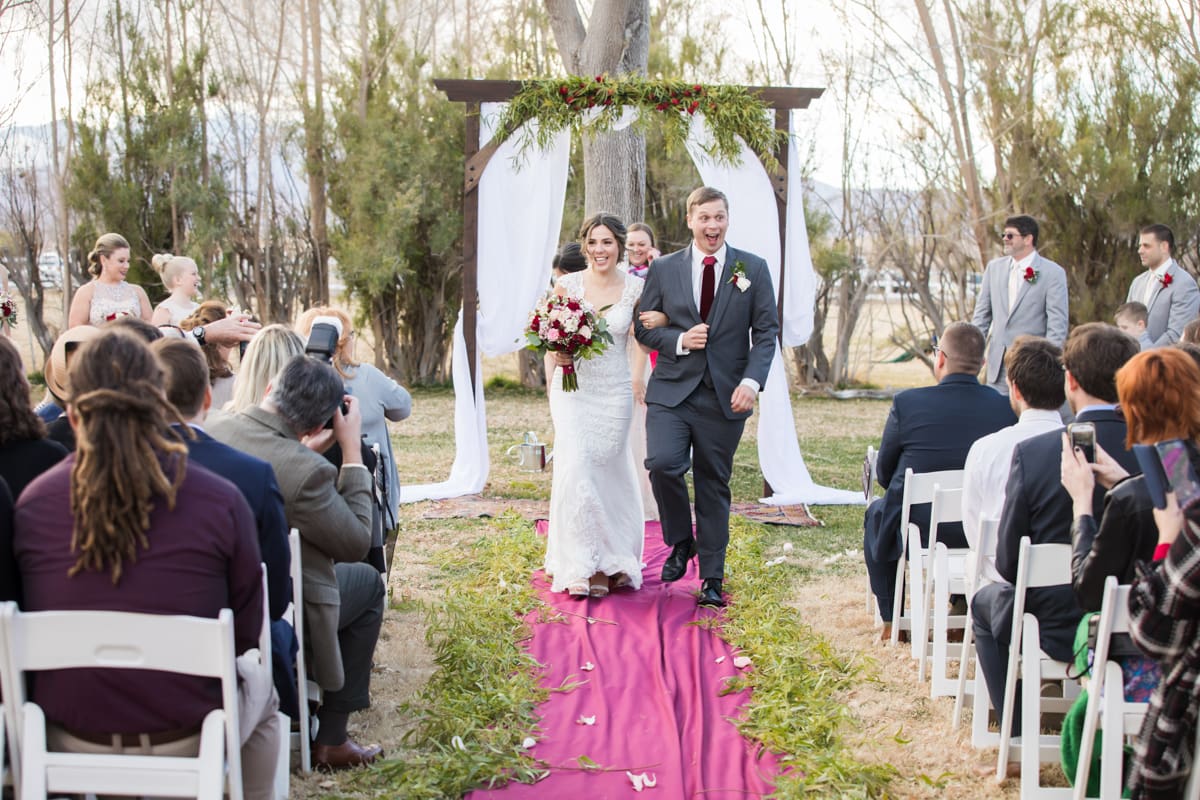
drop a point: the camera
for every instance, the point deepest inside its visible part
(1083, 436)
(322, 344)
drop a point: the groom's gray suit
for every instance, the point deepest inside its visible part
(1170, 307)
(688, 397)
(1040, 310)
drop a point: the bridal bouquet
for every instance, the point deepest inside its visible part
(8, 309)
(567, 324)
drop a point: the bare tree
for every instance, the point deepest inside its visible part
(616, 40)
(21, 216)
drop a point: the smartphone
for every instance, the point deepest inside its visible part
(1083, 436)
(1153, 474)
(1181, 475)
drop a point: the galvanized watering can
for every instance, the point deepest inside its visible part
(530, 454)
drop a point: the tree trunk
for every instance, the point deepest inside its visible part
(314, 140)
(615, 41)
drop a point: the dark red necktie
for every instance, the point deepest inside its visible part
(708, 284)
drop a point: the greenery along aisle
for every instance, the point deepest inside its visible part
(477, 710)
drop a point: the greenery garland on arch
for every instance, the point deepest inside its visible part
(561, 103)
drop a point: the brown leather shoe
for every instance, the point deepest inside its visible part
(345, 755)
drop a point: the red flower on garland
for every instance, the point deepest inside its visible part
(1031, 275)
(1166, 279)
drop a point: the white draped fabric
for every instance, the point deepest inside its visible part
(754, 225)
(520, 215)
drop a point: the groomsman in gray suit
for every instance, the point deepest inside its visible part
(1169, 293)
(713, 358)
(1022, 293)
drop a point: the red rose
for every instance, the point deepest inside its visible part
(571, 304)
(535, 324)
(1167, 279)
(1030, 275)
(661, 106)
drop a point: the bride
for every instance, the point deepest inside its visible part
(596, 531)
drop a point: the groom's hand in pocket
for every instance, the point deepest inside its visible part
(695, 338)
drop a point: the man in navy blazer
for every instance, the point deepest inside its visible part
(1036, 505)
(929, 429)
(188, 389)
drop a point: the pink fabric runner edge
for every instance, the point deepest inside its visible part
(654, 692)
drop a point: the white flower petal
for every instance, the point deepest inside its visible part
(787, 546)
(457, 741)
(586, 720)
(741, 662)
(529, 742)
(588, 667)
(636, 780)
(720, 659)
(649, 781)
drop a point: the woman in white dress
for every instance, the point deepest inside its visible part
(108, 296)
(180, 277)
(596, 531)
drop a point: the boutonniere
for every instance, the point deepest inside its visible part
(739, 278)
(1031, 275)
(1166, 280)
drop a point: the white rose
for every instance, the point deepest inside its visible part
(570, 324)
(586, 332)
(742, 282)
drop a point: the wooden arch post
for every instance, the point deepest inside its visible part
(476, 92)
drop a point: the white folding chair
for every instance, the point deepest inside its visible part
(918, 489)
(980, 737)
(946, 577)
(282, 782)
(1107, 707)
(47, 640)
(1038, 566)
(305, 688)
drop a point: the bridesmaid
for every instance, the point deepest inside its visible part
(640, 249)
(108, 296)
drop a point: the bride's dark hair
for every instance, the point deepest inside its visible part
(610, 221)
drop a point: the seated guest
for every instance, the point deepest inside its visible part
(101, 531)
(187, 389)
(1036, 505)
(331, 507)
(928, 429)
(1033, 371)
(265, 356)
(10, 581)
(1164, 623)
(57, 382)
(1191, 333)
(220, 371)
(25, 452)
(1132, 318)
(146, 331)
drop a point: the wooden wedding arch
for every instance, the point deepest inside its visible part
(782, 99)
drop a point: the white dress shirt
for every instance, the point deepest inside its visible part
(1156, 278)
(1016, 274)
(985, 477)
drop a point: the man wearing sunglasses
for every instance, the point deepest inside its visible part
(1023, 293)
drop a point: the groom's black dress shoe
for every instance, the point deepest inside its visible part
(676, 563)
(710, 593)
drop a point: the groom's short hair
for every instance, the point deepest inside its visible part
(705, 194)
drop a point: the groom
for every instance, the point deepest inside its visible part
(713, 357)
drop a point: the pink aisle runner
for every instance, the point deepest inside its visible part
(654, 693)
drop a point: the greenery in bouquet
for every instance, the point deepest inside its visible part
(570, 325)
(8, 309)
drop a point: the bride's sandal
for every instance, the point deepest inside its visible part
(599, 586)
(620, 581)
(579, 588)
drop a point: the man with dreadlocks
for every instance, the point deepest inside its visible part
(125, 523)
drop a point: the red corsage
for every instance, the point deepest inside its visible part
(1166, 279)
(1031, 275)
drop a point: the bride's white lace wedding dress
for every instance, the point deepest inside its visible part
(595, 501)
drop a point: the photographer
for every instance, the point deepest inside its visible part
(331, 507)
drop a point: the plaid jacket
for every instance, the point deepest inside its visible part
(1164, 608)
